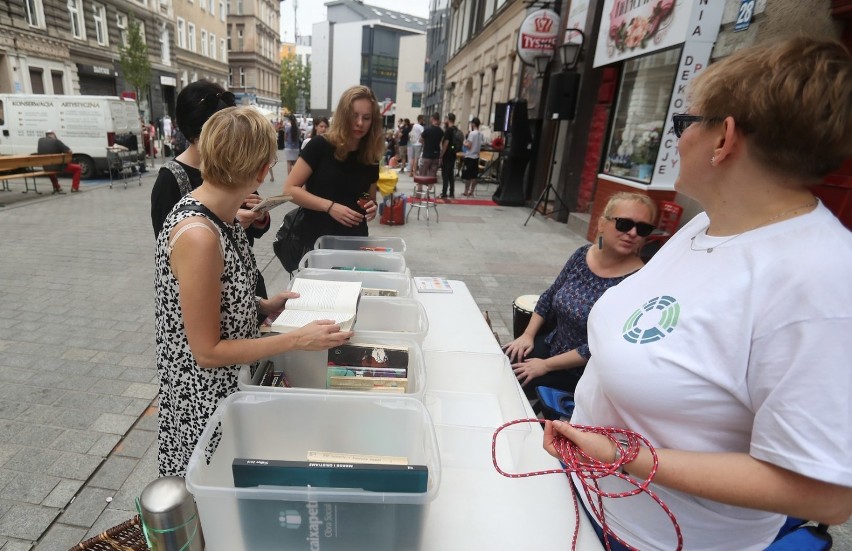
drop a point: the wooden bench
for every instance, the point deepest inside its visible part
(16, 167)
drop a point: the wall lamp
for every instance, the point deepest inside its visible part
(570, 49)
(542, 62)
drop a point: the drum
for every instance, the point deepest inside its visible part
(522, 311)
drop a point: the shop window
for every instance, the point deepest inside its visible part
(641, 107)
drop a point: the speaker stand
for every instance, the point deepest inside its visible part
(545, 193)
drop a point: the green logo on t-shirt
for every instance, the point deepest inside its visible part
(639, 331)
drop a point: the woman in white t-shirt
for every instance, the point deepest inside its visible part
(730, 351)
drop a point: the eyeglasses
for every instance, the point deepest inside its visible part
(228, 98)
(682, 122)
(273, 162)
(624, 225)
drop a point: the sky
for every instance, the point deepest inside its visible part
(313, 11)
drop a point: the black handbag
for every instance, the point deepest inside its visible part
(289, 245)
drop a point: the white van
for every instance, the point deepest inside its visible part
(86, 124)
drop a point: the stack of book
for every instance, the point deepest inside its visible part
(368, 367)
(273, 376)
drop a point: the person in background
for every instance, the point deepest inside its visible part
(556, 358)
(179, 143)
(431, 140)
(390, 147)
(50, 144)
(292, 141)
(402, 143)
(196, 103)
(448, 157)
(414, 145)
(470, 171)
(730, 350)
(319, 128)
(334, 179)
(205, 308)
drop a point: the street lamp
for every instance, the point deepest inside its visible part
(570, 49)
(541, 63)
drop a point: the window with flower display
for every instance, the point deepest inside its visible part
(640, 112)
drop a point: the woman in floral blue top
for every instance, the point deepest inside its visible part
(557, 358)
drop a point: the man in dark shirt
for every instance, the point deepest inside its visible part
(431, 140)
(448, 156)
(49, 145)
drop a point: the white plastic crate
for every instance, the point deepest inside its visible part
(354, 243)
(331, 259)
(395, 281)
(306, 370)
(285, 427)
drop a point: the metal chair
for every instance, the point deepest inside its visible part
(121, 164)
(423, 197)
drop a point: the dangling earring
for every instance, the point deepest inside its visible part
(600, 241)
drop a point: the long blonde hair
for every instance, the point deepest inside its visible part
(372, 146)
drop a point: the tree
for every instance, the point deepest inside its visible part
(134, 59)
(295, 84)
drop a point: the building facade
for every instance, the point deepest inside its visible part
(437, 43)
(409, 83)
(253, 54)
(71, 47)
(358, 44)
(201, 40)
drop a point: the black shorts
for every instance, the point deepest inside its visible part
(470, 169)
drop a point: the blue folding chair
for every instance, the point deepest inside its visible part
(555, 404)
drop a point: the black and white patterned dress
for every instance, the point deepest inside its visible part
(189, 394)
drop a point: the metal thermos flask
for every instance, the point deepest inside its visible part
(170, 516)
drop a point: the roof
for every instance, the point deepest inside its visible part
(386, 16)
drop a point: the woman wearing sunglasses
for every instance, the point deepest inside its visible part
(730, 351)
(555, 356)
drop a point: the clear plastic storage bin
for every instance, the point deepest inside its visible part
(306, 370)
(285, 427)
(394, 281)
(331, 259)
(403, 317)
(355, 243)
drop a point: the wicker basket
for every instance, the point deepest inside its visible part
(127, 536)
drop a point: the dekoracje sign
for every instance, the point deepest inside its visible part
(537, 36)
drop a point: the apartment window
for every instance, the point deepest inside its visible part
(223, 46)
(229, 37)
(211, 7)
(204, 49)
(121, 23)
(239, 7)
(184, 79)
(181, 33)
(165, 46)
(78, 26)
(230, 77)
(35, 13)
(416, 99)
(142, 35)
(99, 17)
(222, 11)
(37, 80)
(239, 38)
(213, 45)
(242, 77)
(202, 4)
(190, 36)
(57, 78)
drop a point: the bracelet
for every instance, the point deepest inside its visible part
(618, 456)
(328, 210)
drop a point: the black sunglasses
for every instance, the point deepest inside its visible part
(682, 122)
(624, 225)
(228, 98)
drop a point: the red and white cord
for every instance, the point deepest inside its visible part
(588, 470)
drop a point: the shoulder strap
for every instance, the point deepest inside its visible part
(181, 176)
(216, 220)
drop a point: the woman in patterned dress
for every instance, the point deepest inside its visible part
(556, 358)
(206, 309)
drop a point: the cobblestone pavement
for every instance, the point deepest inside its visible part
(77, 377)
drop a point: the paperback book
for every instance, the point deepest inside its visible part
(432, 285)
(319, 299)
(270, 203)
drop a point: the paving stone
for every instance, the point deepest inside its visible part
(75, 441)
(36, 435)
(5, 477)
(74, 465)
(136, 407)
(32, 460)
(113, 472)
(10, 359)
(146, 375)
(136, 443)
(111, 387)
(7, 451)
(108, 357)
(104, 445)
(10, 410)
(62, 493)
(14, 545)
(138, 360)
(113, 423)
(25, 521)
(61, 537)
(29, 488)
(145, 472)
(139, 390)
(86, 508)
(150, 420)
(108, 518)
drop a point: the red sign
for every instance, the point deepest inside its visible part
(538, 35)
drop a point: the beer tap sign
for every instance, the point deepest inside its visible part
(537, 38)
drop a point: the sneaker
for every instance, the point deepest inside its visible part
(452, 196)
(443, 196)
(74, 190)
(59, 191)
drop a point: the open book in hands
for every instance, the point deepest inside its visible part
(318, 300)
(270, 203)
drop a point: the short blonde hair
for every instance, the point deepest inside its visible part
(627, 197)
(235, 144)
(792, 99)
(372, 146)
